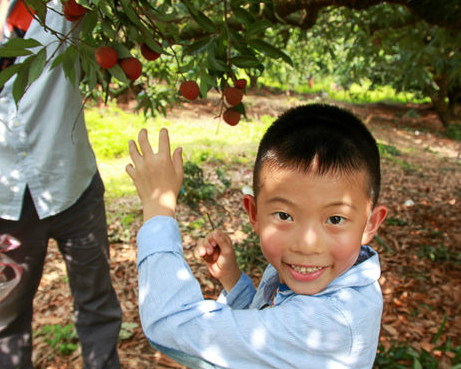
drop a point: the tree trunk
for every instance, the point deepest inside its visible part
(253, 81)
(447, 101)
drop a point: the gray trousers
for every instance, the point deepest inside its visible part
(81, 234)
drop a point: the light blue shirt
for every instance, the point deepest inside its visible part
(336, 328)
(44, 142)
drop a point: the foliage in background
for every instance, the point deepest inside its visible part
(379, 46)
(196, 188)
(248, 252)
(62, 338)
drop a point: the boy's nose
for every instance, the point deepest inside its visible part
(308, 241)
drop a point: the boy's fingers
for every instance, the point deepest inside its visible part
(144, 143)
(164, 142)
(134, 152)
(130, 170)
(178, 162)
(199, 252)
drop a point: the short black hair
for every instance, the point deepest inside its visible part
(328, 135)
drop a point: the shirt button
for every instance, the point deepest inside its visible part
(24, 153)
(16, 124)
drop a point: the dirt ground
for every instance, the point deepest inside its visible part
(419, 245)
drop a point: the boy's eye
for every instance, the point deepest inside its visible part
(335, 220)
(283, 216)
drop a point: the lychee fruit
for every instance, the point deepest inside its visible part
(241, 83)
(231, 117)
(233, 95)
(106, 56)
(189, 89)
(132, 68)
(213, 257)
(73, 11)
(148, 53)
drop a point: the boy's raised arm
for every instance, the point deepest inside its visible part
(157, 176)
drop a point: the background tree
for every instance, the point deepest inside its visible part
(413, 45)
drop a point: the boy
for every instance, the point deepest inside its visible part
(316, 185)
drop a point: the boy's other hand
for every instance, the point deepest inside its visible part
(224, 267)
(157, 177)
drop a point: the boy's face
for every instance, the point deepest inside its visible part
(311, 226)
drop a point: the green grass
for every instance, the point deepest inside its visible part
(110, 128)
(360, 93)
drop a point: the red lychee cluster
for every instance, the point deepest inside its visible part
(107, 57)
(232, 97)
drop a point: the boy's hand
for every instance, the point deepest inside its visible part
(157, 177)
(223, 266)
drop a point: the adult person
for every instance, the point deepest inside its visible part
(50, 187)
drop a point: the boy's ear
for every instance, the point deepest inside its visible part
(249, 203)
(376, 218)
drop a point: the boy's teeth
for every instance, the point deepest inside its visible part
(304, 270)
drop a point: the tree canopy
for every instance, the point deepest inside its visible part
(413, 45)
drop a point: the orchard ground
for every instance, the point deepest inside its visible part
(419, 244)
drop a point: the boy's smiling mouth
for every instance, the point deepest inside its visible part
(303, 273)
(305, 269)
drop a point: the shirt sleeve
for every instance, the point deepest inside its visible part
(174, 315)
(241, 295)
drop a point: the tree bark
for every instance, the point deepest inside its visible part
(447, 101)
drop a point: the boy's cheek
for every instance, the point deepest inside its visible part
(271, 244)
(347, 254)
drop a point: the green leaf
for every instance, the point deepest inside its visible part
(417, 364)
(257, 28)
(243, 16)
(191, 8)
(203, 21)
(148, 38)
(18, 47)
(217, 64)
(20, 83)
(108, 30)
(89, 22)
(8, 52)
(39, 8)
(37, 65)
(187, 67)
(122, 51)
(130, 12)
(236, 37)
(204, 87)
(69, 63)
(206, 23)
(23, 43)
(118, 73)
(245, 61)
(269, 50)
(161, 16)
(9, 72)
(197, 46)
(106, 9)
